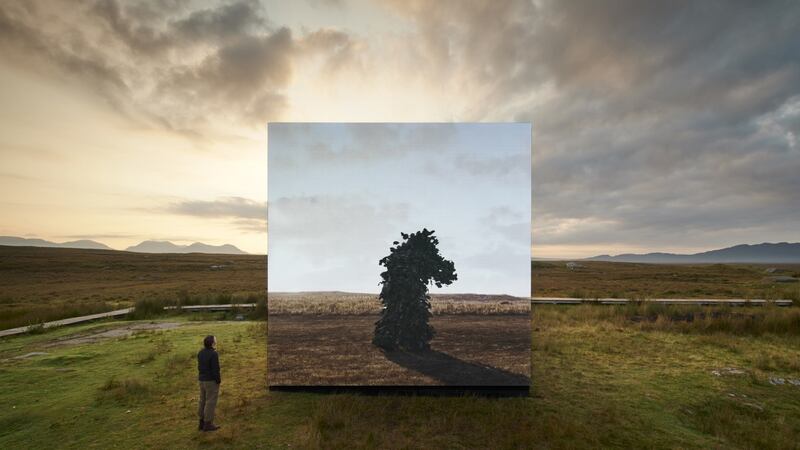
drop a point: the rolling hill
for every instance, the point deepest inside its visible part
(143, 247)
(197, 247)
(25, 242)
(782, 252)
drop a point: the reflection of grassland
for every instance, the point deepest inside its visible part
(634, 376)
(468, 350)
(343, 303)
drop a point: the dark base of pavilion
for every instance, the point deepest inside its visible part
(432, 391)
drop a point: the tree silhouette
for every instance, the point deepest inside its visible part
(410, 267)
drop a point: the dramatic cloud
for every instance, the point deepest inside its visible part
(498, 166)
(100, 236)
(366, 143)
(185, 66)
(246, 214)
(654, 123)
(320, 241)
(509, 225)
(317, 218)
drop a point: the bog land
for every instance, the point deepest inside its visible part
(635, 376)
(44, 284)
(599, 279)
(603, 376)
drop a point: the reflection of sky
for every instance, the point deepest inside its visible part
(339, 194)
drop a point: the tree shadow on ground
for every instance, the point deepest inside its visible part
(452, 371)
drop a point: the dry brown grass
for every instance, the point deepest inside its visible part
(345, 303)
(337, 350)
(598, 279)
(43, 284)
(685, 319)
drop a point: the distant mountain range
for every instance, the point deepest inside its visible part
(83, 243)
(783, 252)
(197, 247)
(144, 247)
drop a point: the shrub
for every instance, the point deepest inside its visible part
(260, 311)
(36, 328)
(147, 308)
(124, 391)
(224, 298)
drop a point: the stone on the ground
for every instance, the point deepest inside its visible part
(727, 371)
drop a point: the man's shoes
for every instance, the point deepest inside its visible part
(209, 426)
(202, 425)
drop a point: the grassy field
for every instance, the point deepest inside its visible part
(43, 284)
(639, 375)
(633, 376)
(597, 279)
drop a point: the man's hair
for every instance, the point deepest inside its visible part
(208, 341)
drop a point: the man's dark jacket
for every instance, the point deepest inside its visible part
(208, 365)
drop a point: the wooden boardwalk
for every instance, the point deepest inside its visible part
(70, 321)
(197, 308)
(122, 312)
(534, 301)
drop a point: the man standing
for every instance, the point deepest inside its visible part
(208, 368)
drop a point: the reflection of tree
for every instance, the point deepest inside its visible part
(410, 267)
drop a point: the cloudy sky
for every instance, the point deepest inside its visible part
(657, 126)
(340, 194)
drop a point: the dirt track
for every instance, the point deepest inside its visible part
(125, 330)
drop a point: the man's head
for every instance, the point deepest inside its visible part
(209, 341)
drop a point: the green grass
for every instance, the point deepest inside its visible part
(600, 379)
(656, 384)
(89, 395)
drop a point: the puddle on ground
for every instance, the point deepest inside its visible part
(112, 333)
